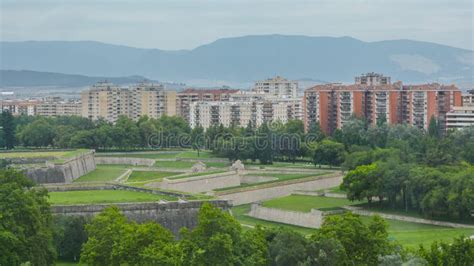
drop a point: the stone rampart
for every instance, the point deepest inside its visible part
(312, 219)
(202, 183)
(279, 189)
(124, 160)
(172, 215)
(64, 171)
(362, 212)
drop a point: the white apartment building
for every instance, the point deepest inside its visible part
(277, 87)
(107, 101)
(240, 113)
(460, 117)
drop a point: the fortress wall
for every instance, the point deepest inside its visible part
(276, 190)
(124, 160)
(312, 219)
(172, 215)
(64, 172)
(202, 183)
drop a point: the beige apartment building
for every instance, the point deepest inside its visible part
(462, 116)
(107, 101)
(277, 87)
(56, 106)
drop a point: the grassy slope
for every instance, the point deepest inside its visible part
(102, 196)
(280, 177)
(407, 234)
(304, 203)
(103, 173)
(183, 164)
(41, 154)
(140, 176)
(167, 155)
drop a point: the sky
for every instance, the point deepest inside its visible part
(186, 24)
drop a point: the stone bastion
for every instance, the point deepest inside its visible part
(171, 215)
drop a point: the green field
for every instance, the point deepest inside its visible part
(103, 173)
(406, 233)
(141, 176)
(199, 174)
(184, 164)
(188, 154)
(102, 196)
(41, 154)
(303, 203)
(280, 178)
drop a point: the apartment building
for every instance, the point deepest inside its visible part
(20, 107)
(462, 116)
(56, 106)
(151, 100)
(377, 100)
(185, 98)
(108, 101)
(468, 98)
(277, 87)
(240, 113)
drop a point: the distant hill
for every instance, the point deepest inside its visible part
(22, 78)
(249, 58)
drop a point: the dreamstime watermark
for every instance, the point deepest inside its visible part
(229, 141)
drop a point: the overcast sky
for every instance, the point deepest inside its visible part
(185, 24)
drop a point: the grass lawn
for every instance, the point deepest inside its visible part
(188, 154)
(413, 234)
(303, 203)
(41, 154)
(384, 208)
(240, 213)
(280, 178)
(102, 196)
(199, 174)
(103, 172)
(183, 164)
(410, 235)
(337, 190)
(140, 176)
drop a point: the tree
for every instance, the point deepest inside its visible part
(218, 240)
(69, 236)
(105, 233)
(328, 152)
(40, 133)
(8, 129)
(197, 138)
(25, 222)
(460, 252)
(287, 248)
(362, 243)
(433, 129)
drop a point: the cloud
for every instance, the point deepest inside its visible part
(186, 24)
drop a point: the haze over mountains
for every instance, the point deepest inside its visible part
(249, 58)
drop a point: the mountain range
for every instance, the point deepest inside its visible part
(248, 58)
(24, 78)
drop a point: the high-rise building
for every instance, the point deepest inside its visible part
(460, 117)
(240, 113)
(377, 100)
(277, 87)
(56, 106)
(185, 98)
(107, 101)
